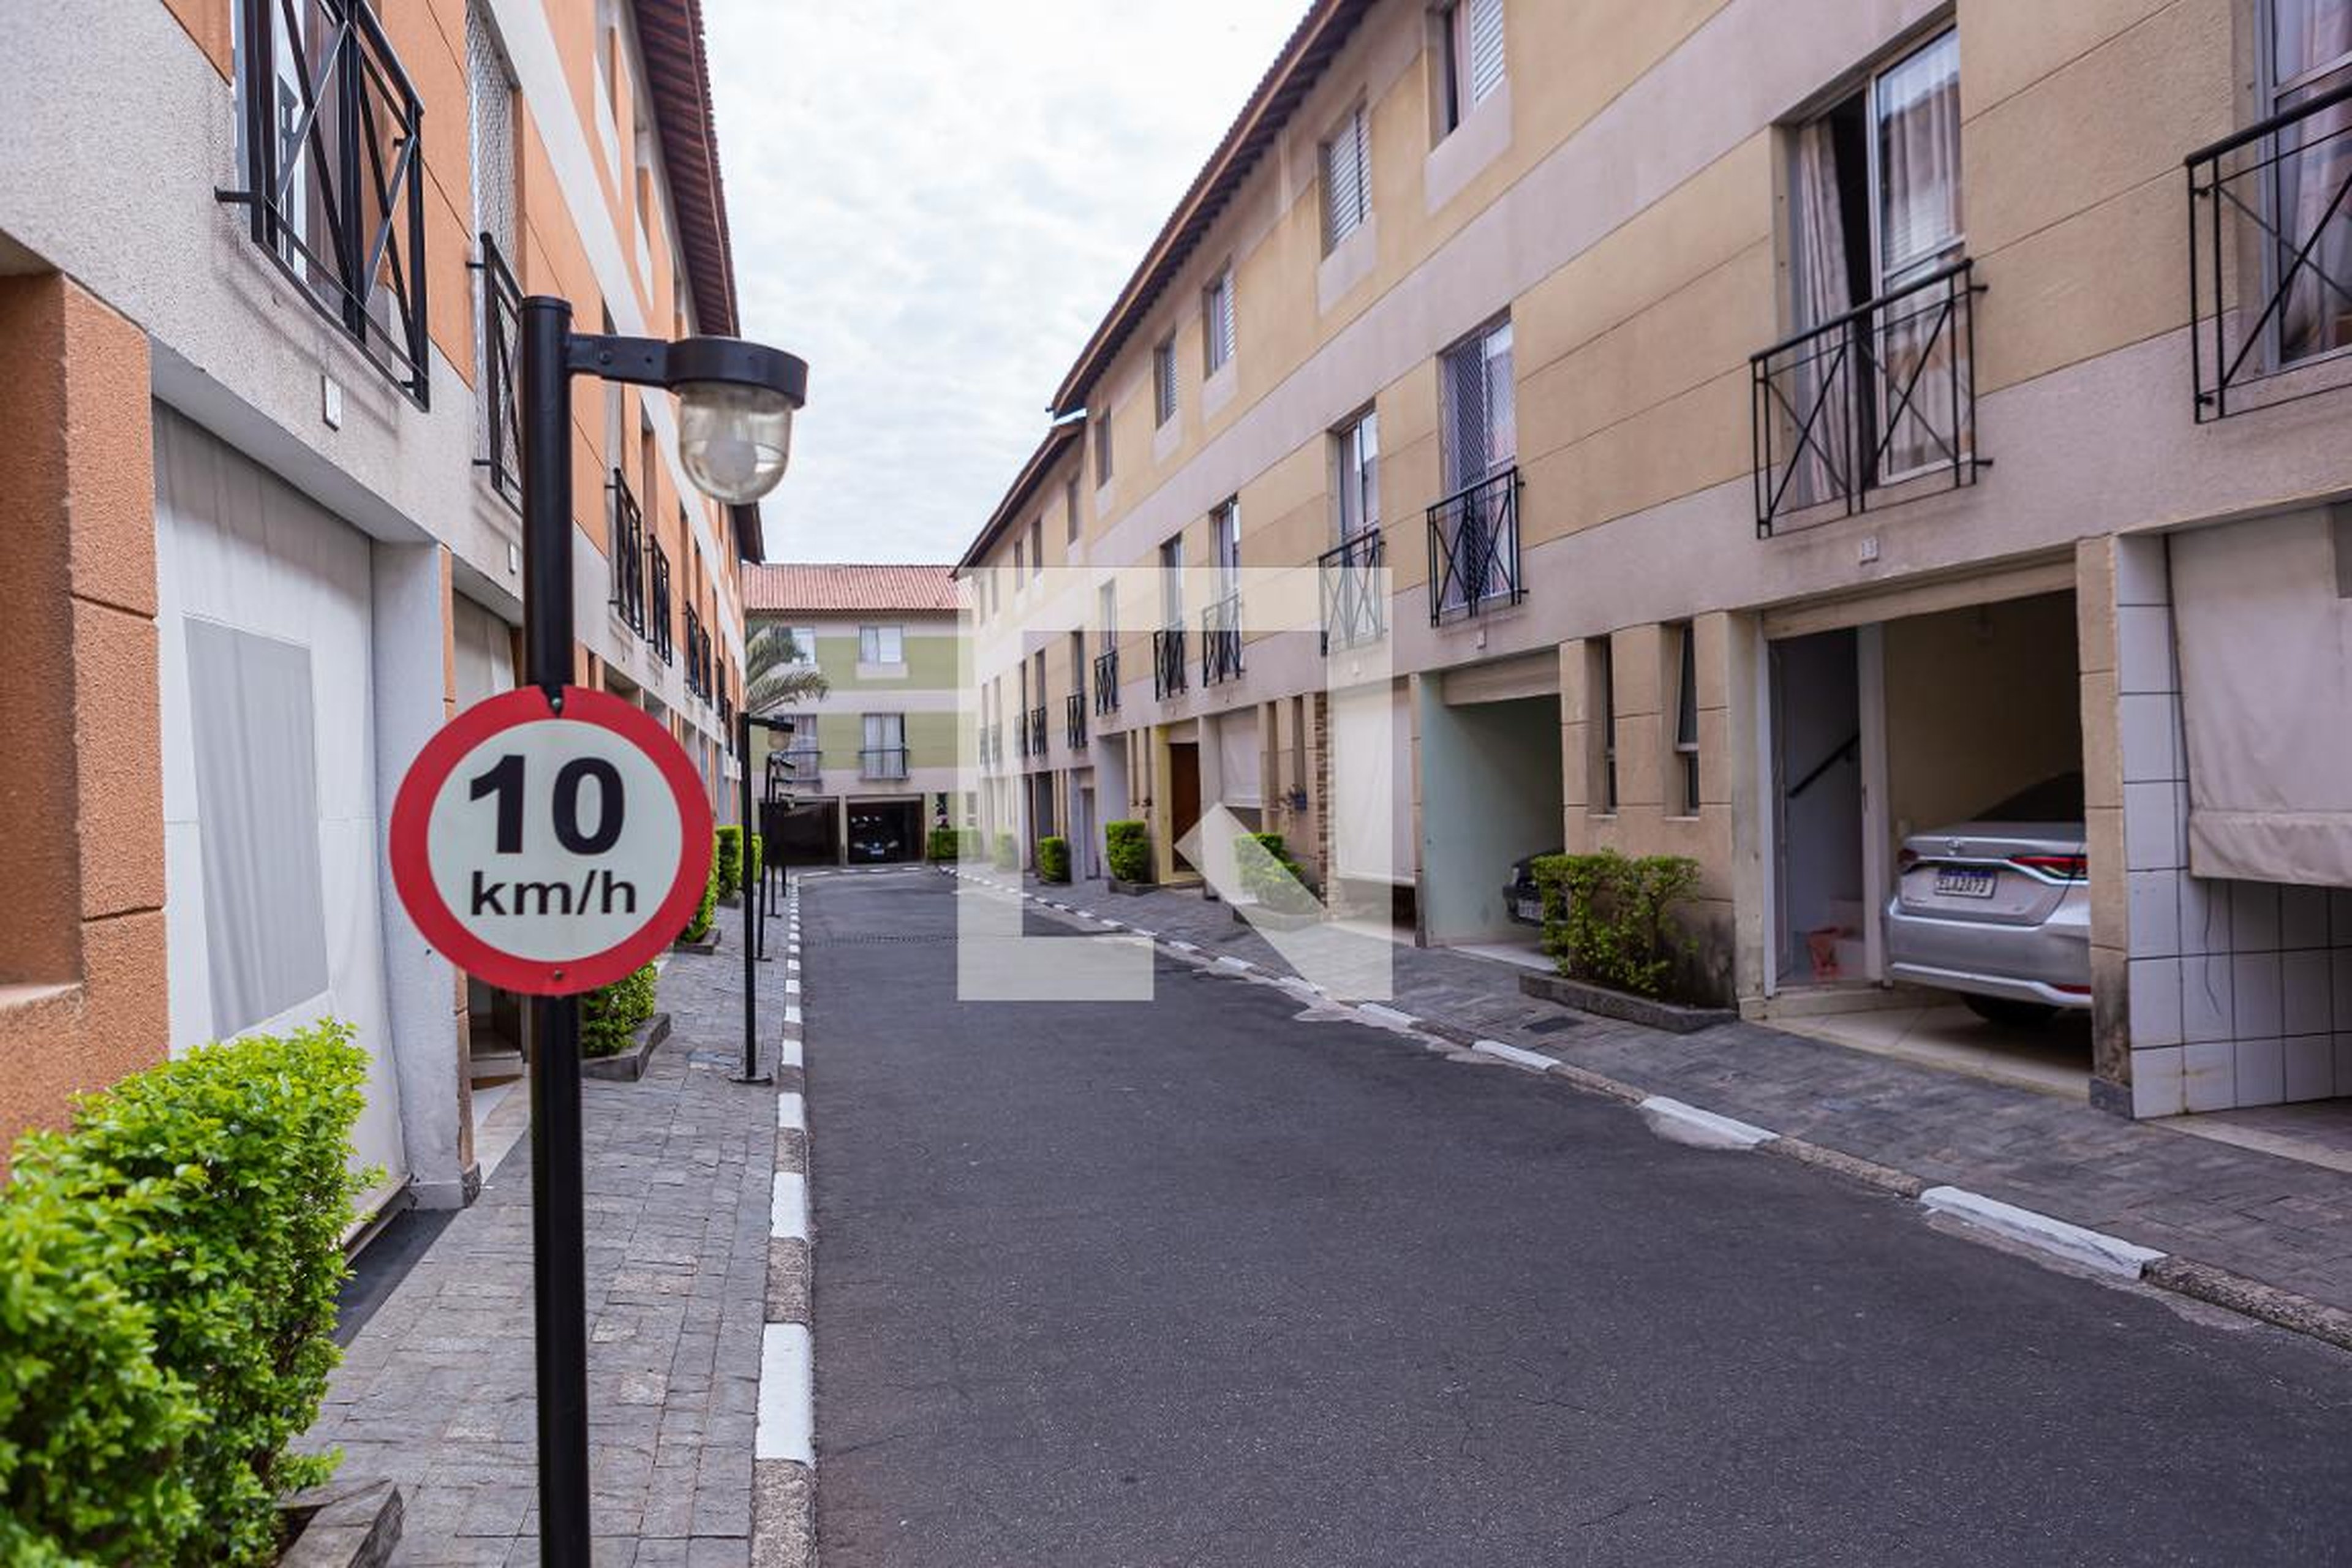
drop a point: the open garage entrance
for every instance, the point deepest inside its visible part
(807, 834)
(884, 832)
(1930, 894)
(1490, 800)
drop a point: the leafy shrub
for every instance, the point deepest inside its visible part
(609, 1014)
(953, 843)
(1054, 858)
(158, 1359)
(1269, 875)
(727, 860)
(699, 926)
(1609, 919)
(1008, 852)
(1127, 850)
(755, 856)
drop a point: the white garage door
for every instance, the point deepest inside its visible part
(1371, 782)
(271, 839)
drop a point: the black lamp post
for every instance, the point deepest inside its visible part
(753, 915)
(736, 402)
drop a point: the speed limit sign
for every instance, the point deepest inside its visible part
(551, 853)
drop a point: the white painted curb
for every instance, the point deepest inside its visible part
(788, 1215)
(2092, 1248)
(1515, 1054)
(1720, 1131)
(792, 1112)
(787, 1428)
(1388, 1016)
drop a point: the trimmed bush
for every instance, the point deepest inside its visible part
(1054, 858)
(166, 1312)
(949, 844)
(699, 926)
(755, 854)
(1127, 850)
(727, 860)
(1269, 875)
(609, 1014)
(1609, 919)
(1008, 852)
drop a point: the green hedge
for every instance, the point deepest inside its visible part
(1008, 852)
(755, 850)
(1054, 858)
(699, 926)
(1127, 850)
(167, 1303)
(947, 844)
(1269, 875)
(1609, 919)
(610, 1013)
(727, 860)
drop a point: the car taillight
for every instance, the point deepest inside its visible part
(2057, 867)
(1905, 861)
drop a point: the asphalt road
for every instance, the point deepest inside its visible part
(1197, 1281)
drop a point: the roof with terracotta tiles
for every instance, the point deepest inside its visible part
(822, 587)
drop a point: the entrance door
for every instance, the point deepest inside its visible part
(1085, 860)
(1817, 781)
(1183, 797)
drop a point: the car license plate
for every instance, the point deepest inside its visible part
(1531, 909)
(1965, 882)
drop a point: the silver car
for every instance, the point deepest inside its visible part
(1998, 909)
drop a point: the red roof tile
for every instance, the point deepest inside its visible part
(819, 588)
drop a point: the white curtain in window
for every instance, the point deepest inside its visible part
(2310, 43)
(1819, 383)
(1918, 129)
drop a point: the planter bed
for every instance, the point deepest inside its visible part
(1133, 889)
(343, 1524)
(705, 947)
(1273, 919)
(628, 1065)
(1674, 1017)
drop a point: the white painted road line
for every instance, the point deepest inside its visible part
(787, 1428)
(788, 1212)
(1517, 1055)
(791, 1110)
(1702, 1129)
(2092, 1248)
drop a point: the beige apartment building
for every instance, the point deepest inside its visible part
(1754, 429)
(259, 267)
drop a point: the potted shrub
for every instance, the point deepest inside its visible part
(619, 1028)
(702, 933)
(1609, 929)
(1008, 852)
(1127, 850)
(728, 863)
(1273, 881)
(1054, 858)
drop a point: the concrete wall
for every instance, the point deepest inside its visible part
(1980, 703)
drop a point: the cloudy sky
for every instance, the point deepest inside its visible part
(933, 203)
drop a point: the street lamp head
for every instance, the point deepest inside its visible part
(736, 402)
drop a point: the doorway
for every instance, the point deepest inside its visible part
(1821, 919)
(1183, 797)
(1085, 860)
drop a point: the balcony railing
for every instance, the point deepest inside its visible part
(501, 364)
(1038, 735)
(698, 657)
(1882, 396)
(1169, 674)
(882, 763)
(1473, 549)
(1220, 640)
(1021, 733)
(1074, 720)
(333, 171)
(1355, 603)
(659, 634)
(2270, 260)
(628, 556)
(807, 765)
(1107, 680)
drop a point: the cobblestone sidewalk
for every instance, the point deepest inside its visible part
(2274, 1220)
(436, 1392)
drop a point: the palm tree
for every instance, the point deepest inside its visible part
(778, 672)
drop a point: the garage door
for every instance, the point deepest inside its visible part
(1371, 783)
(269, 743)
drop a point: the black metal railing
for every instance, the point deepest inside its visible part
(1354, 589)
(1169, 674)
(726, 708)
(1107, 680)
(807, 765)
(1074, 720)
(1039, 737)
(1884, 394)
(1473, 549)
(1221, 639)
(628, 555)
(1021, 733)
(333, 171)
(882, 763)
(659, 631)
(497, 377)
(2270, 258)
(698, 656)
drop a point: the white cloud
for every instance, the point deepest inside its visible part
(934, 204)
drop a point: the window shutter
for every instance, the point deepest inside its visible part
(1164, 382)
(1485, 18)
(1347, 179)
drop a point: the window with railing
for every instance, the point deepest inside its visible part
(884, 754)
(1021, 733)
(1353, 580)
(501, 405)
(1107, 680)
(2270, 231)
(660, 630)
(698, 656)
(1169, 674)
(1040, 739)
(1473, 550)
(1073, 719)
(1220, 640)
(332, 159)
(627, 556)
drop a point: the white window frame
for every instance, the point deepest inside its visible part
(1470, 34)
(1217, 326)
(1356, 482)
(882, 642)
(1682, 684)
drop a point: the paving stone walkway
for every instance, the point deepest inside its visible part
(435, 1392)
(2275, 1220)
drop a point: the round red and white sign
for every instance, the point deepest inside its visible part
(550, 854)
